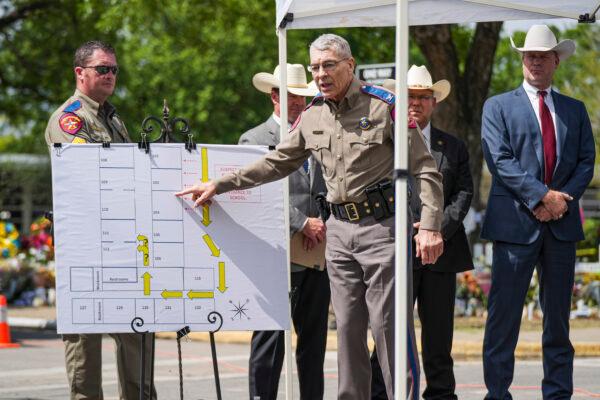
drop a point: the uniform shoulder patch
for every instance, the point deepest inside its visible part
(74, 106)
(315, 99)
(70, 123)
(379, 93)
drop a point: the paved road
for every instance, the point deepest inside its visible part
(36, 371)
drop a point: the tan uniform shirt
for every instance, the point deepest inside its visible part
(82, 120)
(352, 157)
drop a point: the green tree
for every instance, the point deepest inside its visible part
(201, 55)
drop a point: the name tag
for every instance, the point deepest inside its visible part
(317, 132)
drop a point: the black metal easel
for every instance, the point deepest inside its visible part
(167, 130)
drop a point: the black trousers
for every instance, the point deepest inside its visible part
(310, 309)
(435, 292)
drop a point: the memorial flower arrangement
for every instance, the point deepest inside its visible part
(9, 240)
(26, 264)
(470, 297)
(472, 288)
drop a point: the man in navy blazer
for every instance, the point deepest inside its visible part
(539, 148)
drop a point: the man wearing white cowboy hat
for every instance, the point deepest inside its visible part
(310, 287)
(539, 148)
(434, 285)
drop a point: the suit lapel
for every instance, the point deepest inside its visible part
(561, 126)
(437, 147)
(525, 104)
(273, 130)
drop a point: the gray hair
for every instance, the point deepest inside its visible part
(330, 41)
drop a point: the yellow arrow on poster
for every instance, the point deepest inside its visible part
(171, 294)
(206, 215)
(211, 245)
(200, 295)
(222, 287)
(204, 155)
(147, 278)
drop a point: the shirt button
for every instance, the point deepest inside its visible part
(339, 156)
(364, 140)
(341, 178)
(338, 136)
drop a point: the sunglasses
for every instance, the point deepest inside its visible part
(104, 69)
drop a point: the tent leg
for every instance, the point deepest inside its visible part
(401, 163)
(282, 36)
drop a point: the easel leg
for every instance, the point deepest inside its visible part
(181, 333)
(151, 383)
(142, 368)
(213, 350)
(180, 369)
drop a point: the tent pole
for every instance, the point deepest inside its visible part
(283, 131)
(401, 164)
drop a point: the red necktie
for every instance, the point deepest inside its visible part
(548, 138)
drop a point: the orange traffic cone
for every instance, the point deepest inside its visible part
(4, 328)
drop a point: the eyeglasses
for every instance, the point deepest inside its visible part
(105, 69)
(422, 97)
(327, 66)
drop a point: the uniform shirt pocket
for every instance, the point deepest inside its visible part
(363, 146)
(319, 145)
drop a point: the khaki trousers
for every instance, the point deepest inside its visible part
(83, 358)
(360, 263)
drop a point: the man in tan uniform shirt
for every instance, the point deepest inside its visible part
(87, 117)
(348, 130)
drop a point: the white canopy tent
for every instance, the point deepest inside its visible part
(313, 14)
(310, 14)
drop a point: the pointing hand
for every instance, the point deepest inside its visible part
(201, 193)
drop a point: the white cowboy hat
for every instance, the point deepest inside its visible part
(418, 77)
(541, 38)
(296, 81)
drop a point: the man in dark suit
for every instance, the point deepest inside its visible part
(310, 287)
(434, 285)
(539, 148)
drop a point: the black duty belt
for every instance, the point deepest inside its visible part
(378, 204)
(351, 211)
(356, 211)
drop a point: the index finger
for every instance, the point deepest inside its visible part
(185, 191)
